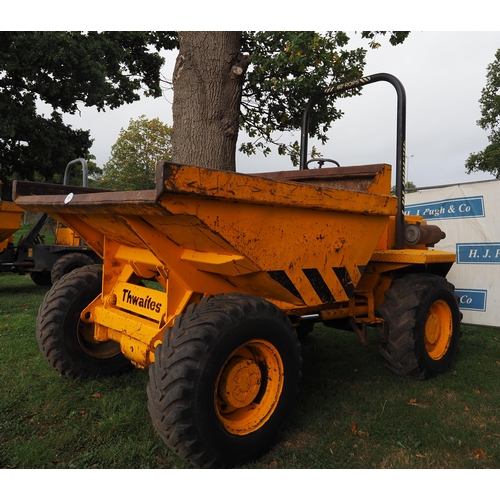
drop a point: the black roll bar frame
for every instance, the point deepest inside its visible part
(400, 136)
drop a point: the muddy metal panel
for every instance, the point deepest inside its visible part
(230, 186)
(312, 240)
(287, 241)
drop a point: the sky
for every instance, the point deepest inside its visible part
(443, 73)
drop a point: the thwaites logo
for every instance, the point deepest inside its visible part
(140, 300)
(143, 302)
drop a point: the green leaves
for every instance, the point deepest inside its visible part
(287, 69)
(135, 153)
(395, 38)
(489, 159)
(64, 70)
(103, 69)
(490, 97)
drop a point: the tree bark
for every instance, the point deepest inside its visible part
(208, 81)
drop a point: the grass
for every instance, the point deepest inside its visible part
(47, 232)
(351, 411)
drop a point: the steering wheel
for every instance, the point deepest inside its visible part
(322, 161)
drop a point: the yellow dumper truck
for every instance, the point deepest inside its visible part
(209, 280)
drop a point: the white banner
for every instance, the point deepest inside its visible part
(469, 214)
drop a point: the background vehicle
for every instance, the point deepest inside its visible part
(10, 222)
(45, 262)
(209, 280)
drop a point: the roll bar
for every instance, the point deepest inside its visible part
(400, 136)
(85, 175)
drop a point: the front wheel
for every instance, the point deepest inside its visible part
(67, 342)
(423, 318)
(224, 380)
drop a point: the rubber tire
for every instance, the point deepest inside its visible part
(41, 278)
(182, 379)
(57, 329)
(304, 328)
(405, 309)
(68, 263)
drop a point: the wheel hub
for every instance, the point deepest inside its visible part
(438, 329)
(248, 387)
(240, 382)
(432, 328)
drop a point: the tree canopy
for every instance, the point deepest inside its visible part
(46, 74)
(59, 72)
(488, 160)
(409, 186)
(277, 73)
(287, 68)
(135, 153)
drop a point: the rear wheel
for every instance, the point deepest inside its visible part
(67, 342)
(41, 278)
(68, 263)
(224, 380)
(423, 318)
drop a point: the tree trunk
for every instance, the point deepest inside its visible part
(208, 80)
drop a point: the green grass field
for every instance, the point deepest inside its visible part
(48, 233)
(351, 411)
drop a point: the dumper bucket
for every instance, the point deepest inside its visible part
(294, 238)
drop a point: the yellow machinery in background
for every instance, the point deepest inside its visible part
(10, 222)
(210, 280)
(45, 262)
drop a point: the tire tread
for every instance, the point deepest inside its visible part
(400, 310)
(171, 388)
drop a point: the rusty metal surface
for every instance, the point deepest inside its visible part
(57, 198)
(274, 188)
(244, 188)
(324, 173)
(356, 178)
(279, 227)
(25, 188)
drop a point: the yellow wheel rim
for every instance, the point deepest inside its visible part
(438, 329)
(248, 387)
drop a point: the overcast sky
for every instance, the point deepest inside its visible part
(443, 74)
